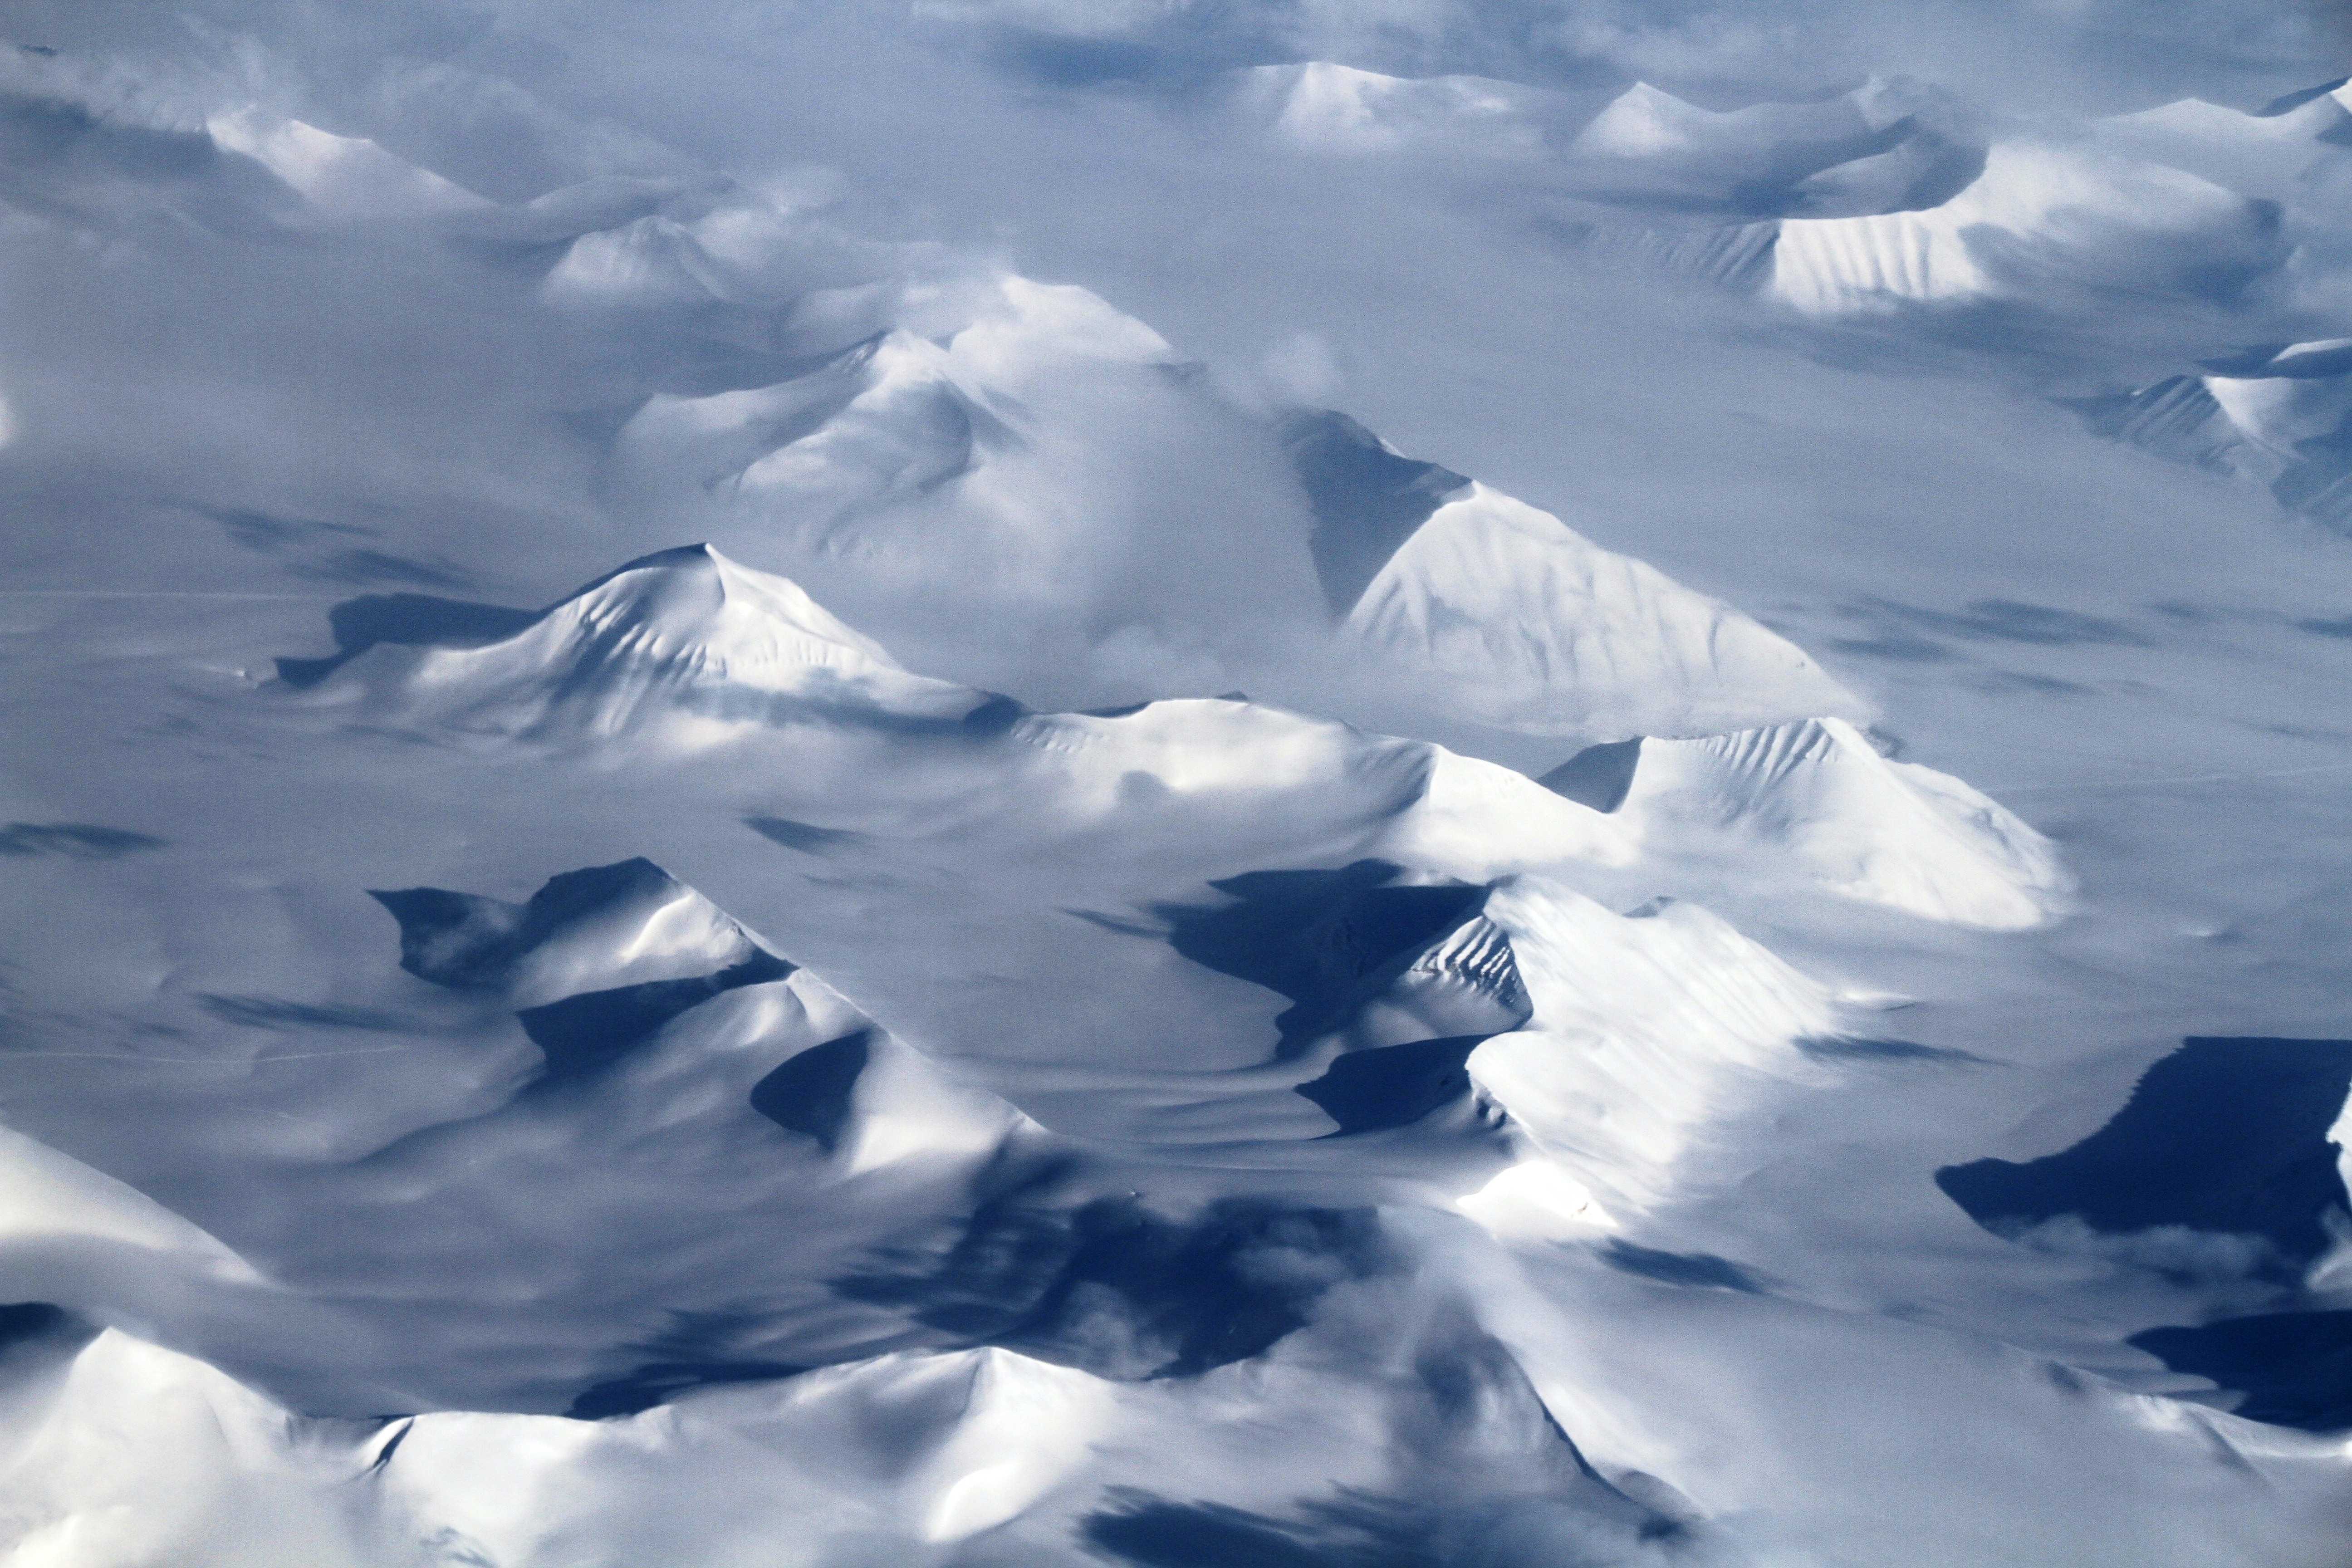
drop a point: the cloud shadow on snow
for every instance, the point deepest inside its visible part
(1126, 1293)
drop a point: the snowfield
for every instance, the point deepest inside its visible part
(776, 797)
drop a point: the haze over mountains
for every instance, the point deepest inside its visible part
(1173, 785)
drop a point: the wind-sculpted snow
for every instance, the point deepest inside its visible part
(2281, 416)
(1644, 1029)
(830, 1047)
(681, 642)
(1737, 256)
(1820, 800)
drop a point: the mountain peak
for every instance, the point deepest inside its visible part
(683, 634)
(744, 624)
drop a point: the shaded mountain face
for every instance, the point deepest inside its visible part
(526, 1040)
(1367, 500)
(2228, 1137)
(2294, 1369)
(1599, 776)
(1505, 614)
(2226, 1160)
(466, 942)
(1315, 937)
(2279, 416)
(1126, 1294)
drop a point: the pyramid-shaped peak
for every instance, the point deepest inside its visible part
(684, 635)
(693, 599)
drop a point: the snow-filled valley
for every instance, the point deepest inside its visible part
(1007, 784)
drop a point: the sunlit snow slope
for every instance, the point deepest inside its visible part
(685, 886)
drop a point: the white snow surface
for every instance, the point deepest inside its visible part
(2042, 217)
(343, 177)
(1533, 627)
(1645, 1030)
(684, 639)
(1862, 152)
(1325, 107)
(1817, 798)
(856, 1043)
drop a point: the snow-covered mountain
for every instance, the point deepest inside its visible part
(1527, 625)
(1320, 106)
(811, 865)
(1897, 208)
(1817, 800)
(674, 640)
(2277, 415)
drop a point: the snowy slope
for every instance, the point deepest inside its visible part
(1535, 627)
(1887, 145)
(1817, 800)
(2279, 416)
(1323, 107)
(691, 1074)
(341, 177)
(2276, 152)
(2043, 218)
(912, 1456)
(682, 641)
(729, 688)
(998, 441)
(1879, 149)
(1645, 1030)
